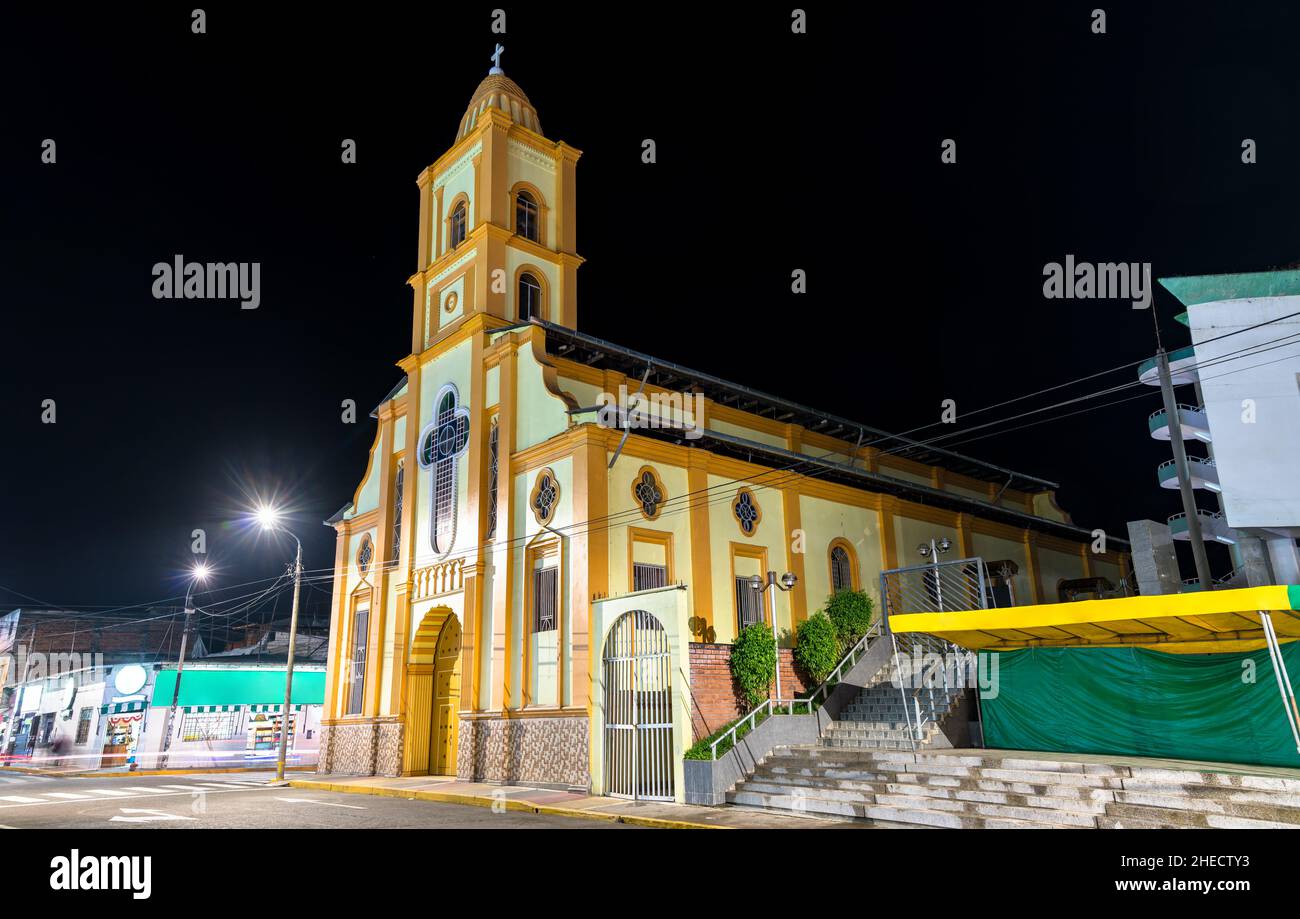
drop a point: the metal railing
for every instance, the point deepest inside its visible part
(935, 587)
(770, 706)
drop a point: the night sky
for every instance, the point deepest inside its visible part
(775, 152)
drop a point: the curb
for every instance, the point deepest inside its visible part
(447, 797)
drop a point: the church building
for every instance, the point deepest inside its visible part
(552, 530)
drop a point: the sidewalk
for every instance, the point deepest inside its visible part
(568, 804)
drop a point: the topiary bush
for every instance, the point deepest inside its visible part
(753, 662)
(818, 650)
(850, 611)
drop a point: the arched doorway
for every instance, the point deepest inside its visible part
(638, 709)
(433, 695)
(446, 700)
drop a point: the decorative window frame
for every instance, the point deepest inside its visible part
(365, 555)
(658, 484)
(546, 472)
(544, 547)
(735, 515)
(461, 198)
(654, 537)
(759, 553)
(543, 211)
(540, 277)
(458, 411)
(855, 578)
(358, 603)
(397, 508)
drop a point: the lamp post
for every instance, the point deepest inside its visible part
(269, 519)
(787, 581)
(932, 550)
(197, 574)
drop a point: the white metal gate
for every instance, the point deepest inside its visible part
(638, 709)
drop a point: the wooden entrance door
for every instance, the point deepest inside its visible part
(446, 700)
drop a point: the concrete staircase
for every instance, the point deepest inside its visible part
(877, 719)
(991, 790)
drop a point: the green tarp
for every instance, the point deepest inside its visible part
(1214, 707)
(239, 687)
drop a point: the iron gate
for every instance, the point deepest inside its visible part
(638, 709)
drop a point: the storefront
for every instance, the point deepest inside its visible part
(233, 717)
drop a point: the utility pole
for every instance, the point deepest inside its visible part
(1184, 479)
(288, 670)
(200, 573)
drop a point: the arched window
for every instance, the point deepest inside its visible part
(528, 217)
(844, 564)
(398, 483)
(530, 297)
(441, 443)
(459, 220)
(494, 447)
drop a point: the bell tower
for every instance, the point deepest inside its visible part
(497, 220)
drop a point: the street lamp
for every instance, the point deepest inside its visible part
(787, 581)
(933, 549)
(269, 519)
(197, 574)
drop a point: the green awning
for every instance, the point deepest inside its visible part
(238, 687)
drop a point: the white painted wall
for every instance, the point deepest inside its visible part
(1259, 461)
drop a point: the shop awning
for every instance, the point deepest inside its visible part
(1188, 623)
(238, 687)
(122, 708)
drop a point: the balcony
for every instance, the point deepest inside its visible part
(1214, 528)
(1182, 368)
(1192, 419)
(1203, 473)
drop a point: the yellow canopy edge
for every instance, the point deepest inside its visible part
(1189, 623)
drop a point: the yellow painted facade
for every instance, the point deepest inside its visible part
(455, 647)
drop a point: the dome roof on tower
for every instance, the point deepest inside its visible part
(500, 92)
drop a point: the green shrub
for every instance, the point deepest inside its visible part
(701, 748)
(818, 650)
(850, 611)
(753, 662)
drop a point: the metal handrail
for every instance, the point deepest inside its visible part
(862, 644)
(850, 659)
(1182, 407)
(1191, 461)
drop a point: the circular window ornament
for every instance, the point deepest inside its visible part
(129, 680)
(545, 497)
(747, 512)
(449, 303)
(365, 554)
(649, 493)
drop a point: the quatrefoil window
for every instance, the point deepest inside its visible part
(545, 497)
(365, 554)
(649, 492)
(747, 511)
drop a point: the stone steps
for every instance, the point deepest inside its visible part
(924, 789)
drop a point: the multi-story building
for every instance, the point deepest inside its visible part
(1242, 428)
(522, 582)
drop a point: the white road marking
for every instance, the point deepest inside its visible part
(111, 792)
(65, 794)
(186, 790)
(215, 784)
(355, 807)
(184, 787)
(153, 790)
(143, 815)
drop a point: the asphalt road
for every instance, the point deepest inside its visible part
(236, 801)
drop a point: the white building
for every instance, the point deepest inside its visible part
(1244, 364)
